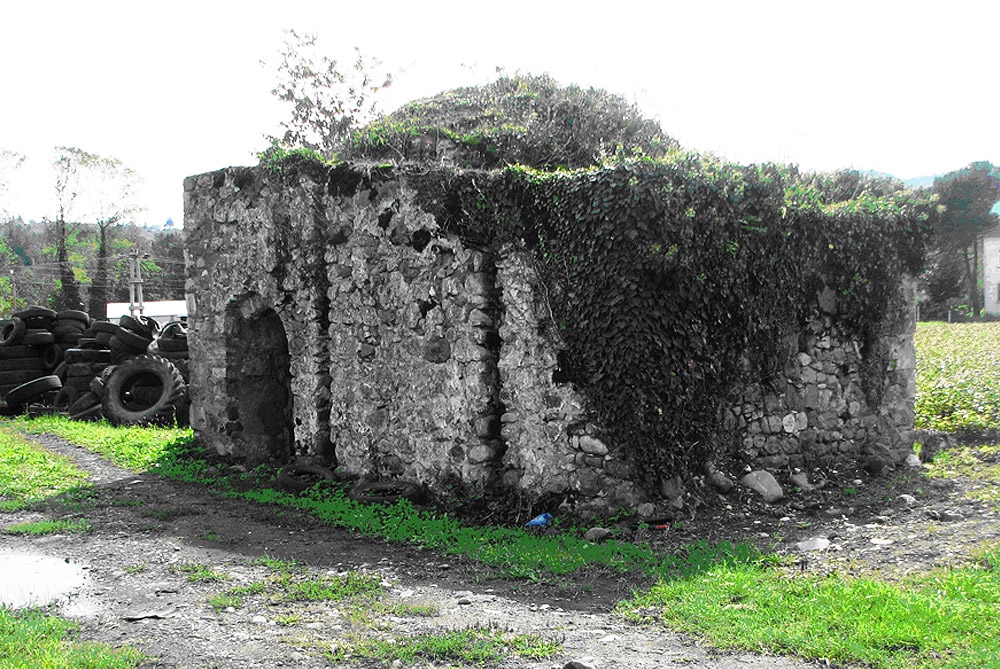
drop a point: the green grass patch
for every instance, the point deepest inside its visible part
(198, 573)
(946, 618)
(980, 465)
(481, 646)
(326, 588)
(43, 527)
(29, 473)
(137, 448)
(31, 639)
(957, 372)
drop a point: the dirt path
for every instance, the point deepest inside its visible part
(147, 528)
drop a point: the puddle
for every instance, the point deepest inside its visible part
(32, 579)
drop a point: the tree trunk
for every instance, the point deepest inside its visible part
(975, 300)
(99, 289)
(69, 294)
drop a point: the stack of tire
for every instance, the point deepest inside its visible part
(141, 387)
(92, 369)
(31, 347)
(81, 368)
(172, 345)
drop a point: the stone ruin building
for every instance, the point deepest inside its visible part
(342, 325)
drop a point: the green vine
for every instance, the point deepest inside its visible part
(674, 282)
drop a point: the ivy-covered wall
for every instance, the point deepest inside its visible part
(591, 332)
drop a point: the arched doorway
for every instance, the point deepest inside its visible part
(258, 380)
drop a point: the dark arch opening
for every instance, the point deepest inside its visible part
(258, 383)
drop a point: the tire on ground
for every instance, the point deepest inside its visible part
(26, 391)
(128, 399)
(12, 331)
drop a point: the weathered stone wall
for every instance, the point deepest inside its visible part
(820, 411)
(412, 355)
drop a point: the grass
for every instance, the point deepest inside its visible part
(957, 368)
(731, 594)
(137, 448)
(514, 551)
(943, 618)
(31, 639)
(978, 464)
(481, 646)
(199, 573)
(43, 527)
(29, 473)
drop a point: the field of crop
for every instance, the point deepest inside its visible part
(958, 376)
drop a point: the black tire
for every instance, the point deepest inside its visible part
(52, 355)
(140, 325)
(81, 383)
(93, 413)
(13, 352)
(144, 371)
(78, 369)
(38, 338)
(104, 326)
(19, 376)
(22, 364)
(83, 402)
(69, 341)
(104, 339)
(387, 492)
(172, 345)
(91, 343)
(174, 356)
(36, 312)
(174, 330)
(73, 355)
(74, 315)
(107, 372)
(26, 391)
(97, 386)
(299, 478)
(61, 331)
(12, 331)
(132, 341)
(61, 370)
(65, 397)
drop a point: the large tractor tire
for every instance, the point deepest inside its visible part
(145, 390)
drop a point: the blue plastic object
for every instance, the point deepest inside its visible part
(541, 520)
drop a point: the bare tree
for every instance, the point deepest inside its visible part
(328, 100)
(9, 162)
(90, 189)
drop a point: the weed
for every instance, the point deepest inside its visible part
(210, 536)
(29, 473)
(329, 588)
(289, 620)
(750, 604)
(401, 610)
(135, 568)
(42, 527)
(274, 564)
(224, 601)
(473, 645)
(33, 639)
(197, 572)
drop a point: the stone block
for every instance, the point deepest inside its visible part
(764, 484)
(592, 445)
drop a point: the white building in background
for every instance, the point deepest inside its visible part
(991, 272)
(161, 312)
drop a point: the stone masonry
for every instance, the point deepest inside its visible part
(333, 320)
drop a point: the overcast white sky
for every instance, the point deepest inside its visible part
(177, 88)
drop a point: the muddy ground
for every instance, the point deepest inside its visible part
(147, 528)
